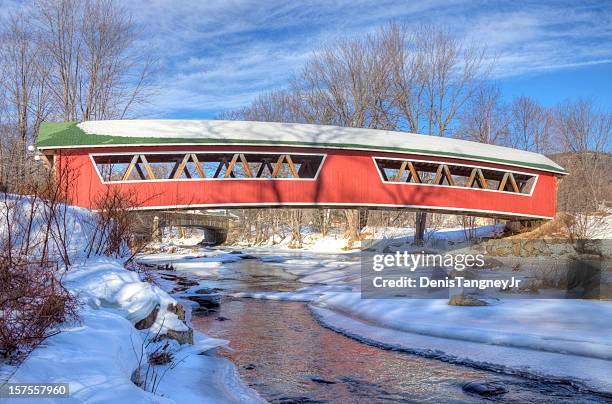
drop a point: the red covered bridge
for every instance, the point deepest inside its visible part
(223, 164)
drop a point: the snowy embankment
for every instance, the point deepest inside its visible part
(99, 354)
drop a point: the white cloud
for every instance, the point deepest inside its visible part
(218, 54)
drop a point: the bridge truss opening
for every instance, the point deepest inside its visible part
(210, 165)
(444, 174)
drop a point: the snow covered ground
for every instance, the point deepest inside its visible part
(560, 339)
(98, 355)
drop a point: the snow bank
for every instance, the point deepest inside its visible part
(544, 325)
(104, 282)
(79, 224)
(556, 367)
(97, 356)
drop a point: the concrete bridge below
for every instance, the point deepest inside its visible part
(152, 224)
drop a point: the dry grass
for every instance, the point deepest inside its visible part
(556, 228)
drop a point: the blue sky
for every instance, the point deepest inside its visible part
(218, 55)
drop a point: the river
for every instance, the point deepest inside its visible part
(283, 353)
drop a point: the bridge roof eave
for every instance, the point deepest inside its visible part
(95, 134)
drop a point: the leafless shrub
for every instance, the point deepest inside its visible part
(115, 225)
(33, 300)
(160, 356)
(551, 277)
(153, 362)
(468, 223)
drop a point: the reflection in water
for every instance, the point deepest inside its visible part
(283, 353)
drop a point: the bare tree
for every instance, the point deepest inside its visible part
(65, 60)
(485, 118)
(272, 106)
(435, 75)
(97, 72)
(585, 133)
(347, 84)
(530, 125)
(408, 80)
(23, 77)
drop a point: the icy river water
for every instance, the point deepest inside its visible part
(283, 353)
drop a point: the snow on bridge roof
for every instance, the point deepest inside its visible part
(217, 132)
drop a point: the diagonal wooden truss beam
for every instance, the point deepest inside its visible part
(291, 166)
(477, 177)
(198, 165)
(470, 181)
(147, 167)
(220, 166)
(245, 166)
(265, 163)
(438, 176)
(400, 172)
(230, 167)
(141, 174)
(414, 175)
(508, 179)
(448, 175)
(443, 172)
(483, 181)
(278, 166)
(129, 168)
(181, 168)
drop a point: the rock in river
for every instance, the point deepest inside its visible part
(484, 388)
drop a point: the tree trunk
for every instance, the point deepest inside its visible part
(296, 229)
(421, 226)
(352, 224)
(325, 218)
(363, 218)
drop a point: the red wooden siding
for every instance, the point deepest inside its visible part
(347, 178)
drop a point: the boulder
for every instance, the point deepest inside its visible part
(466, 273)
(485, 388)
(148, 321)
(465, 300)
(182, 337)
(206, 301)
(177, 309)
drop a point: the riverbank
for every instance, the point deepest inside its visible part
(98, 356)
(123, 321)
